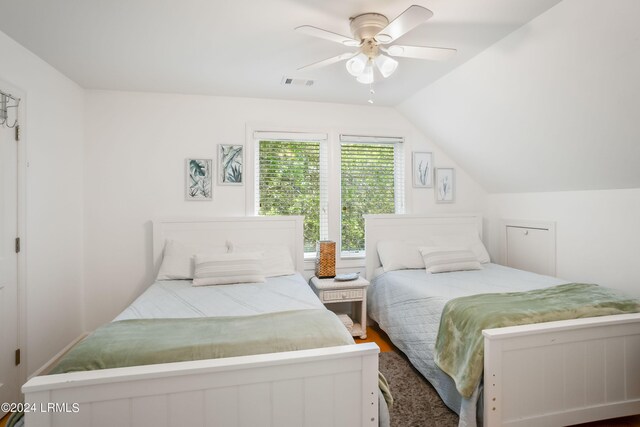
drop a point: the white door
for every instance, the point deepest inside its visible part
(9, 384)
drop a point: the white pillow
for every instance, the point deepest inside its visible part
(276, 259)
(400, 254)
(177, 260)
(224, 269)
(466, 240)
(439, 259)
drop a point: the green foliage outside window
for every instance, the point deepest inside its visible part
(368, 187)
(290, 184)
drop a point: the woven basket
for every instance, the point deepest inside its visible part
(325, 259)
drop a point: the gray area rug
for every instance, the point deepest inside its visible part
(416, 403)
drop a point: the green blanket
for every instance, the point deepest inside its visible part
(459, 348)
(151, 341)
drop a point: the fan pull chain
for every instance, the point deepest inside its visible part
(371, 93)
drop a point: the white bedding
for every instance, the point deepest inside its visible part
(178, 298)
(407, 304)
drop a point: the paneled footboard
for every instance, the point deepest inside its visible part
(562, 373)
(336, 386)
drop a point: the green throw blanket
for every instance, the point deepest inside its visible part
(459, 348)
(151, 341)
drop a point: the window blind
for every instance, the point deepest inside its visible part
(288, 136)
(371, 139)
(291, 179)
(372, 182)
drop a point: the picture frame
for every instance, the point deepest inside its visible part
(199, 182)
(422, 169)
(230, 164)
(445, 185)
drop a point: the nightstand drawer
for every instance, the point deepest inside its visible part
(342, 294)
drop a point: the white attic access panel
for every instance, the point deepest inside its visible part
(530, 246)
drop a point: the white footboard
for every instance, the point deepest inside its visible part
(336, 386)
(562, 373)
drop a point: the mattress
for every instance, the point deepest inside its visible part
(180, 299)
(407, 304)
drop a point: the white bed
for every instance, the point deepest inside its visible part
(334, 386)
(556, 373)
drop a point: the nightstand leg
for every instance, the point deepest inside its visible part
(363, 316)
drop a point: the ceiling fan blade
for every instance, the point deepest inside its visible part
(327, 35)
(328, 61)
(421, 52)
(405, 22)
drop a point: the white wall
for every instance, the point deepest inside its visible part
(53, 135)
(551, 107)
(134, 171)
(597, 232)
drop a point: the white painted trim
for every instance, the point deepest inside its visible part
(23, 164)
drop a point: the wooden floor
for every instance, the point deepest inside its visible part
(378, 336)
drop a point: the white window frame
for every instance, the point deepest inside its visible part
(331, 228)
(399, 178)
(253, 199)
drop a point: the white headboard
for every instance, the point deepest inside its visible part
(255, 230)
(412, 227)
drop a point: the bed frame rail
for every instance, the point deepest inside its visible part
(562, 373)
(335, 386)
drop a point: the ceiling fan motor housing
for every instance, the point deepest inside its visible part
(367, 25)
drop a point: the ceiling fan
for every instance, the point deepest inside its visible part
(373, 34)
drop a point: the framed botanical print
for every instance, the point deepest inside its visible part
(199, 174)
(422, 169)
(445, 185)
(230, 164)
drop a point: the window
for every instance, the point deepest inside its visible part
(291, 179)
(372, 182)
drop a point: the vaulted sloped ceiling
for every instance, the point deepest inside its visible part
(553, 106)
(245, 48)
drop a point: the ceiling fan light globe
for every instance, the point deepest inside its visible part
(357, 64)
(367, 75)
(386, 65)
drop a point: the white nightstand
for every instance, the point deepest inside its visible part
(354, 291)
